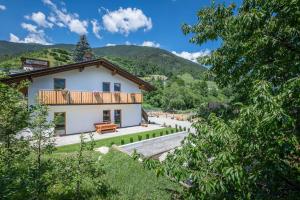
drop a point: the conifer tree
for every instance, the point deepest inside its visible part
(82, 48)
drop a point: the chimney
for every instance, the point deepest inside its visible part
(87, 56)
(30, 64)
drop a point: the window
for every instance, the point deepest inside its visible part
(59, 84)
(106, 116)
(106, 87)
(60, 123)
(118, 117)
(117, 87)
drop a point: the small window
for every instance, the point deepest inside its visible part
(106, 87)
(60, 123)
(59, 84)
(117, 87)
(106, 116)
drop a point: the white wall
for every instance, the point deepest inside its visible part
(81, 118)
(90, 79)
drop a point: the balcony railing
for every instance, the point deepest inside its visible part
(65, 97)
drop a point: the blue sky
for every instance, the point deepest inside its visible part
(105, 22)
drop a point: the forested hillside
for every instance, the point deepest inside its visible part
(137, 59)
(181, 84)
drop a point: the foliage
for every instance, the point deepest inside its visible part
(82, 47)
(252, 156)
(28, 169)
(255, 154)
(80, 176)
(42, 143)
(14, 117)
(261, 42)
(184, 92)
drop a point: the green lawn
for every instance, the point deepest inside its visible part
(119, 140)
(133, 181)
(129, 179)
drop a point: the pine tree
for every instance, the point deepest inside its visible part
(82, 48)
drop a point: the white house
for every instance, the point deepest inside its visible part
(82, 94)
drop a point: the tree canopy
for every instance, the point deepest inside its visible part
(255, 154)
(81, 49)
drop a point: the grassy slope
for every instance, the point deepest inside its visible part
(132, 181)
(116, 140)
(128, 178)
(55, 56)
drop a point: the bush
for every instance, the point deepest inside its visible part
(147, 136)
(140, 137)
(167, 132)
(176, 127)
(172, 130)
(122, 142)
(180, 128)
(131, 140)
(153, 135)
(184, 128)
(112, 143)
(161, 133)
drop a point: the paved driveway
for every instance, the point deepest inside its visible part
(155, 146)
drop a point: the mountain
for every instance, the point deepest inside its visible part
(13, 49)
(141, 61)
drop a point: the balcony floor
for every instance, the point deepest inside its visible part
(73, 139)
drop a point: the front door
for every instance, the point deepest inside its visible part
(60, 123)
(117, 115)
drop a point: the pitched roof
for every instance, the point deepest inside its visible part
(13, 78)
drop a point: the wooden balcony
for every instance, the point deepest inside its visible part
(64, 97)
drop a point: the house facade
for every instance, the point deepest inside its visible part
(82, 94)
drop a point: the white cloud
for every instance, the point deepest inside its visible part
(40, 19)
(192, 56)
(96, 28)
(2, 7)
(127, 43)
(126, 20)
(110, 45)
(13, 38)
(29, 27)
(34, 35)
(64, 19)
(38, 38)
(150, 44)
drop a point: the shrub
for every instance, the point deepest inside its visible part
(153, 135)
(112, 143)
(140, 137)
(176, 127)
(180, 128)
(147, 136)
(122, 142)
(161, 133)
(172, 130)
(131, 140)
(167, 132)
(184, 128)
